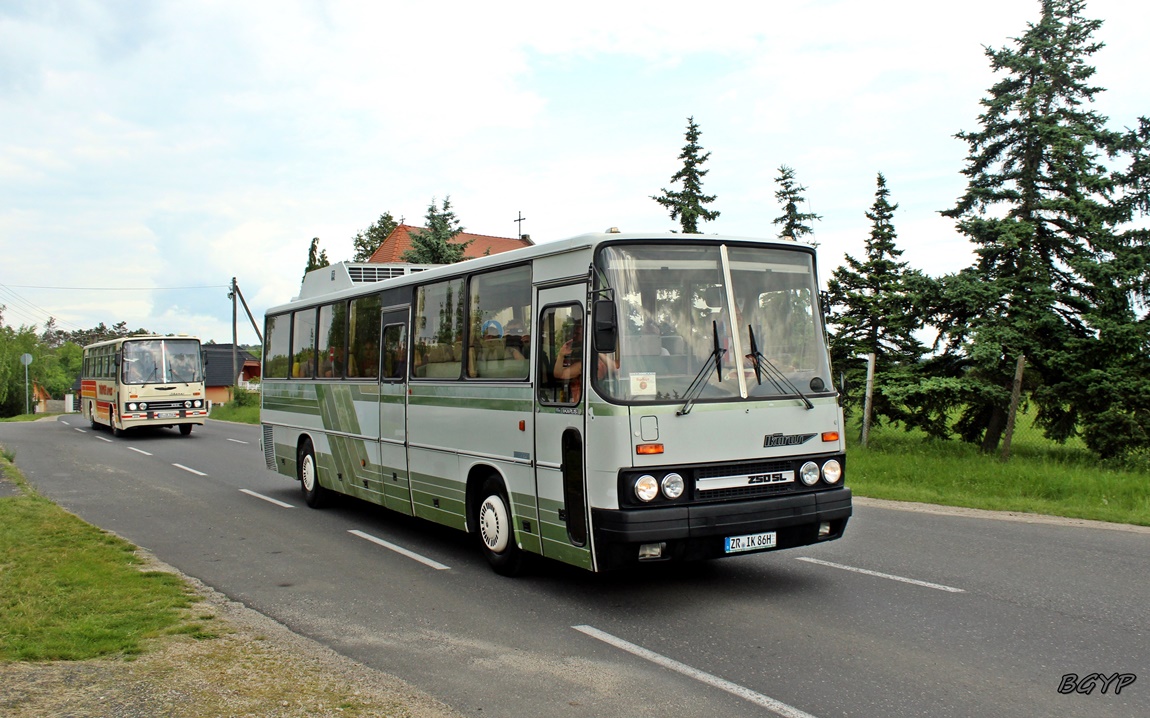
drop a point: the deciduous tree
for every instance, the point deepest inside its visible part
(316, 258)
(369, 240)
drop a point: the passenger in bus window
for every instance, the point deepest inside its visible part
(569, 364)
(515, 339)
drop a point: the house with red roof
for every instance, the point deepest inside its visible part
(399, 241)
(385, 262)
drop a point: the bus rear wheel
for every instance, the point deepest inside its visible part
(496, 534)
(314, 494)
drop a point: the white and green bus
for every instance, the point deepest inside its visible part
(709, 426)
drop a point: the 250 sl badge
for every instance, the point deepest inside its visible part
(769, 478)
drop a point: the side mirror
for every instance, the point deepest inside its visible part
(603, 317)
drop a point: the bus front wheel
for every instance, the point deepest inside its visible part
(185, 429)
(496, 534)
(314, 494)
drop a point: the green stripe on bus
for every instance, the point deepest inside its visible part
(493, 404)
(567, 553)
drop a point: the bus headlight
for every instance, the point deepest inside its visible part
(131, 407)
(188, 404)
(832, 471)
(198, 403)
(646, 488)
(143, 406)
(809, 473)
(673, 486)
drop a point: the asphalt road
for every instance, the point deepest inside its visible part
(911, 614)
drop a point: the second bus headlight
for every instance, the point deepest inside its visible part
(832, 471)
(673, 486)
(646, 488)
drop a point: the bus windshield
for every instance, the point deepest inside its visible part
(674, 308)
(162, 361)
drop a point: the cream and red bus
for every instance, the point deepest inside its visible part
(144, 380)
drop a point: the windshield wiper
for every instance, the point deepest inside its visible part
(778, 379)
(700, 381)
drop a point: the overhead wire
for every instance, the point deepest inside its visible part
(18, 306)
(15, 304)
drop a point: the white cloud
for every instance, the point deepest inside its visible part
(175, 144)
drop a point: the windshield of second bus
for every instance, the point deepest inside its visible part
(671, 302)
(162, 361)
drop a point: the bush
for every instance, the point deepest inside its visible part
(243, 397)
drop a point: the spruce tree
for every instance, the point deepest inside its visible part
(872, 310)
(369, 240)
(790, 196)
(687, 204)
(436, 243)
(1054, 269)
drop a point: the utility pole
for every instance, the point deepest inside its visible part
(868, 399)
(1012, 414)
(235, 348)
(244, 302)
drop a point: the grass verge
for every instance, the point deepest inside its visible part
(71, 591)
(91, 626)
(233, 412)
(1040, 477)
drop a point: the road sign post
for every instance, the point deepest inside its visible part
(26, 359)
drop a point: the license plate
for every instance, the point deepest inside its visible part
(749, 542)
(167, 415)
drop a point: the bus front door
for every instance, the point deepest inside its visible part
(560, 409)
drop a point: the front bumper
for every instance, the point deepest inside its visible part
(698, 531)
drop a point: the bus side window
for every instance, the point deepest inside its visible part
(363, 337)
(277, 346)
(560, 354)
(394, 351)
(303, 344)
(437, 329)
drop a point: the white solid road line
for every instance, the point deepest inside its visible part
(400, 550)
(916, 582)
(191, 471)
(734, 689)
(269, 499)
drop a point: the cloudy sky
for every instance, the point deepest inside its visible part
(152, 150)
